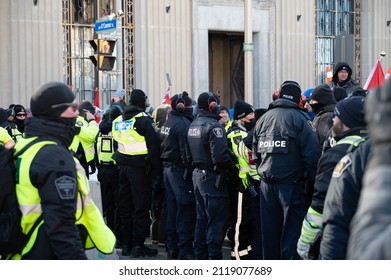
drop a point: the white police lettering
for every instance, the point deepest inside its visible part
(218, 132)
(165, 130)
(124, 125)
(194, 132)
(287, 96)
(276, 143)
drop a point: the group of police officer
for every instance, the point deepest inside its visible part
(256, 180)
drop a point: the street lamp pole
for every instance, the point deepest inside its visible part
(248, 52)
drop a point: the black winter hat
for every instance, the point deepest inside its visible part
(323, 94)
(138, 98)
(208, 99)
(351, 111)
(339, 93)
(51, 99)
(290, 90)
(19, 109)
(341, 66)
(242, 109)
(224, 108)
(86, 105)
(185, 100)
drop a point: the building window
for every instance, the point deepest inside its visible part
(337, 36)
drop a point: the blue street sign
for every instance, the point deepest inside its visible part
(105, 26)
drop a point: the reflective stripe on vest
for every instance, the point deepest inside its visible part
(105, 149)
(245, 167)
(354, 140)
(129, 141)
(87, 214)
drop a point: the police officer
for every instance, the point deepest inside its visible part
(207, 142)
(108, 171)
(349, 131)
(49, 181)
(177, 179)
(87, 130)
(138, 157)
(244, 121)
(286, 151)
(341, 202)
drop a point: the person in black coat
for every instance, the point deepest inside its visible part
(177, 179)
(341, 202)
(349, 131)
(286, 151)
(322, 104)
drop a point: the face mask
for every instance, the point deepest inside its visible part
(316, 107)
(249, 125)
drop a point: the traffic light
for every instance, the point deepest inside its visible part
(103, 50)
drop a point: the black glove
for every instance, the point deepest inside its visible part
(92, 167)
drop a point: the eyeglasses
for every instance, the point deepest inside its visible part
(20, 115)
(65, 105)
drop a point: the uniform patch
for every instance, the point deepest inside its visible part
(66, 187)
(194, 132)
(341, 166)
(218, 132)
(79, 123)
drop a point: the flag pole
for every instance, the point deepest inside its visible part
(248, 52)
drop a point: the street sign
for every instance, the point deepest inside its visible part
(105, 25)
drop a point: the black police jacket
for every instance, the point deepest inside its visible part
(285, 146)
(341, 202)
(173, 136)
(58, 237)
(207, 141)
(326, 165)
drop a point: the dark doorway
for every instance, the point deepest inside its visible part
(226, 66)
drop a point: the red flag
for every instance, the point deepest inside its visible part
(166, 99)
(376, 78)
(97, 105)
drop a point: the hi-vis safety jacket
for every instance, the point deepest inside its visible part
(129, 141)
(105, 149)
(5, 139)
(87, 137)
(87, 214)
(246, 164)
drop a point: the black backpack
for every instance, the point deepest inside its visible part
(12, 239)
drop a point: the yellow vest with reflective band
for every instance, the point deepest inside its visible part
(16, 134)
(353, 140)
(105, 149)
(129, 141)
(235, 137)
(246, 164)
(87, 137)
(87, 214)
(5, 138)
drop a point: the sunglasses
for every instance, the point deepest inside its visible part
(65, 105)
(20, 115)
